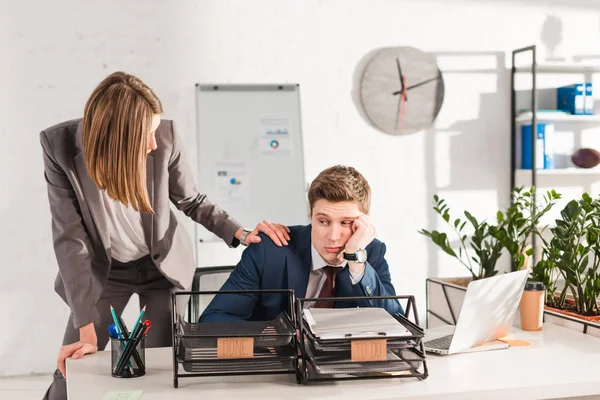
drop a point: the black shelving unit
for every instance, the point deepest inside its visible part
(534, 69)
(513, 123)
(331, 359)
(513, 116)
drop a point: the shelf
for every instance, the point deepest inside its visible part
(557, 117)
(560, 68)
(559, 172)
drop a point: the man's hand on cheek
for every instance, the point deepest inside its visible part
(364, 233)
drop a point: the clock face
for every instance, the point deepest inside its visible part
(402, 90)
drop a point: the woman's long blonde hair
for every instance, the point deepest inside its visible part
(116, 122)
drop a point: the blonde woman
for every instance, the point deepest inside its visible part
(111, 177)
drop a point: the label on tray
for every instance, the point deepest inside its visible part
(235, 347)
(369, 350)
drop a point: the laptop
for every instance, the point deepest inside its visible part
(487, 314)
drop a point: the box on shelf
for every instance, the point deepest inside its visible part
(571, 98)
(544, 146)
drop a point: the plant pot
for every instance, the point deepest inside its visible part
(445, 298)
(595, 318)
(571, 320)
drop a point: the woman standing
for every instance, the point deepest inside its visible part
(111, 177)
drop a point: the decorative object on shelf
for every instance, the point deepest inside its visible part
(401, 90)
(544, 146)
(512, 232)
(586, 158)
(552, 35)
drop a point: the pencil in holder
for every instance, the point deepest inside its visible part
(128, 358)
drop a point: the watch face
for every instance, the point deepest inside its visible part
(361, 256)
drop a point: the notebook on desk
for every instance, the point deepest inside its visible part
(346, 323)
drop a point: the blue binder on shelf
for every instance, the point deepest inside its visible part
(571, 98)
(589, 99)
(544, 153)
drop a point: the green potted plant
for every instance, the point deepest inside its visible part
(479, 252)
(570, 261)
(521, 221)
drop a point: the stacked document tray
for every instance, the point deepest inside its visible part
(403, 354)
(198, 346)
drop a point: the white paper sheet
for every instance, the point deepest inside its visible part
(275, 137)
(232, 184)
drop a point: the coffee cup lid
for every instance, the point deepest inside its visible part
(534, 285)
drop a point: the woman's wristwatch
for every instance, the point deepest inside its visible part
(244, 236)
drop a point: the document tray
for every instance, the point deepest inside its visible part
(278, 332)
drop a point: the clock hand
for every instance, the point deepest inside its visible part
(402, 108)
(400, 114)
(418, 84)
(401, 77)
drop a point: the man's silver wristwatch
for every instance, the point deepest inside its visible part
(244, 236)
(360, 256)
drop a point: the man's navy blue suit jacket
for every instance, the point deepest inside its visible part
(267, 266)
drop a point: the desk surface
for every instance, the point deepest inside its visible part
(559, 363)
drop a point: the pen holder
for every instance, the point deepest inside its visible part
(125, 361)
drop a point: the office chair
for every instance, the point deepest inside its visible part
(206, 278)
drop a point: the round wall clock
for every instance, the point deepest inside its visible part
(401, 90)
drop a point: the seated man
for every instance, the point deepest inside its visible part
(337, 255)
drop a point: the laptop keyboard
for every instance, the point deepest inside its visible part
(442, 343)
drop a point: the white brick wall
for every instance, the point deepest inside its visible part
(52, 54)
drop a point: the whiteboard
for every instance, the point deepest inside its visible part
(250, 158)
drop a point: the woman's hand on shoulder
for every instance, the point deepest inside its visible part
(278, 233)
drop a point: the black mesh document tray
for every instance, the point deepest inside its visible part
(329, 363)
(275, 348)
(265, 360)
(278, 332)
(332, 358)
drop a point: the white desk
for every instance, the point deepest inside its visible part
(559, 363)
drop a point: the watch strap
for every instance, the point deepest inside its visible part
(244, 236)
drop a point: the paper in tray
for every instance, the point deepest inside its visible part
(340, 323)
(346, 344)
(407, 341)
